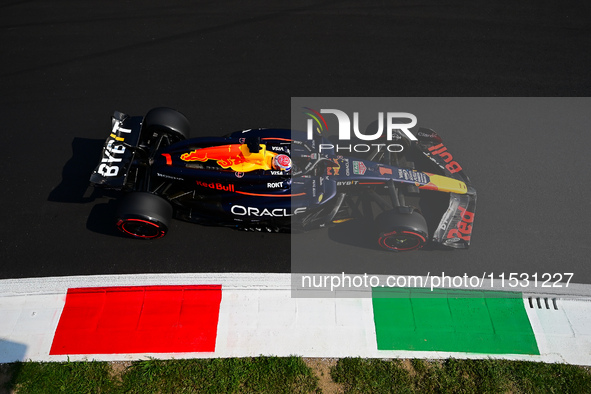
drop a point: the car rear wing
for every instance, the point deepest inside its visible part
(118, 152)
(455, 228)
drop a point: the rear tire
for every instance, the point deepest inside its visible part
(144, 215)
(401, 232)
(166, 121)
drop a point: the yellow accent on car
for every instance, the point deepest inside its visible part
(117, 138)
(445, 184)
(235, 156)
(341, 220)
(261, 160)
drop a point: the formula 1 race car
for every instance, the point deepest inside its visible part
(278, 180)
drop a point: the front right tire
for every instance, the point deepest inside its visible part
(168, 121)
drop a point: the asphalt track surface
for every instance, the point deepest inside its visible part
(66, 65)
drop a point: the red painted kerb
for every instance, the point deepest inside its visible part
(138, 319)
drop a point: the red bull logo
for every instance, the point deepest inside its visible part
(216, 186)
(235, 156)
(440, 150)
(225, 155)
(464, 229)
(334, 169)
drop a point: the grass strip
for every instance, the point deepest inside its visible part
(255, 375)
(459, 376)
(232, 375)
(292, 375)
(69, 377)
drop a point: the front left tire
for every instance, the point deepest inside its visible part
(144, 215)
(401, 232)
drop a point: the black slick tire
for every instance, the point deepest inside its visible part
(144, 215)
(167, 121)
(401, 232)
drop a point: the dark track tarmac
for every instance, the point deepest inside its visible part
(67, 65)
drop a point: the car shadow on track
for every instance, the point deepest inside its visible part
(102, 219)
(74, 185)
(362, 233)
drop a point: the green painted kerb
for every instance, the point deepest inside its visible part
(452, 320)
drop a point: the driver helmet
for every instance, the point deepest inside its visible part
(282, 162)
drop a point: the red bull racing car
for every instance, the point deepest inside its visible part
(278, 180)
